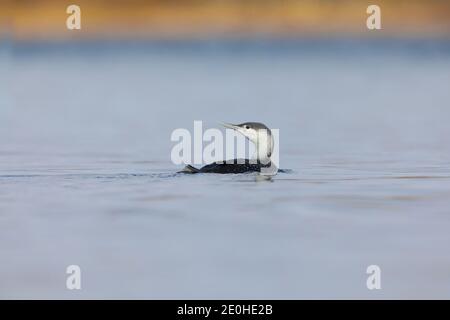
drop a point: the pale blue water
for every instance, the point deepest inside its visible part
(86, 176)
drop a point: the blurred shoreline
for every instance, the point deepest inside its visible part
(45, 20)
(345, 49)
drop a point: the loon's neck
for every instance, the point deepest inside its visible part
(264, 146)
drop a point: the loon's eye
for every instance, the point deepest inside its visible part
(247, 127)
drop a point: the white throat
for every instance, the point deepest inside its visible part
(263, 141)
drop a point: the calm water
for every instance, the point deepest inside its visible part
(86, 176)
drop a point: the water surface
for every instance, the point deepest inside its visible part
(86, 176)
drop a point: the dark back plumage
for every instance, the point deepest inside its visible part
(235, 166)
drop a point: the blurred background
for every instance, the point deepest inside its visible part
(178, 19)
(85, 171)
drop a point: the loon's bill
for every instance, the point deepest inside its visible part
(257, 133)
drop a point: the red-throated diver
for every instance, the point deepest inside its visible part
(257, 133)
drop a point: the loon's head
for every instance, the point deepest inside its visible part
(257, 133)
